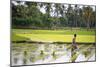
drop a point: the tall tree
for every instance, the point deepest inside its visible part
(70, 15)
(76, 9)
(87, 14)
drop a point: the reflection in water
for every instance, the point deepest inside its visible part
(15, 60)
(54, 55)
(24, 61)
(48, 53)
(25, 57)
(73, 53)
(41, 52)
(32, 59)
(42, 56)
(86, 53)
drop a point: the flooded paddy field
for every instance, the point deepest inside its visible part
(43, 53)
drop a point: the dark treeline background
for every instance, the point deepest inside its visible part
(52, 15)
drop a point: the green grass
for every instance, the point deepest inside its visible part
(66, 32)
(54, 35)
(15, 37)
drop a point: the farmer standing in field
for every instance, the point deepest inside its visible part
(74, 45)
(73, 48)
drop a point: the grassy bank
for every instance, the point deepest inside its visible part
(53, 35)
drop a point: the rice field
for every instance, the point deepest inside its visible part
(48, 51)
(27, 54)
(52, 35)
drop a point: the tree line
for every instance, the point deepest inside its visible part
(39, 15)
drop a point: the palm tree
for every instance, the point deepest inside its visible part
(80, 19)
(76, 15)
(87, 14)
(69, 15)
(58, 11)
(48, 9)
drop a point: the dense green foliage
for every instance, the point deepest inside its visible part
(36, 15)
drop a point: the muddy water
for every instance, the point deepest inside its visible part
(27, 54)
